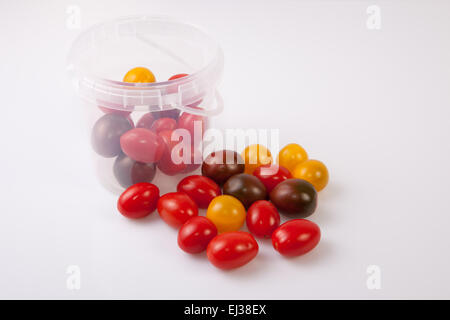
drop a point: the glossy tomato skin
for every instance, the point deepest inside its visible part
(139, 74)
(107, 132)
(200, 189)
(175, 208)
(256, 155)
(191, 121)
(262, 218)
(163, 124)
(271, 175)
(129, 172)
(142, 145)
(146, 121)
(291, 155)
(246, 188)
(313, 171)
(295, 198)
(166, 164)
(177, 76)
(139, 200)
(221, 165)
(296, 237)
(195, 234)
(232, 250)
(227, 213)
(195, 161)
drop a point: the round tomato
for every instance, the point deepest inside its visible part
(291, 155)
(175, 208)
(139, 74)
(227, 213)
(246, 188)
(255, 156)
(313, 171)
(271, 175)
(195, 234)
(262, 218)
(296, 237)
(200, 189)
(232, 250)
(138, 200)
(163, 124)
(221, 165)
(295, 198)
(106, 134)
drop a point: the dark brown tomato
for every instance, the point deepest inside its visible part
(295, 198)
(106, 133)
(221, 165)
(128, 172)
(245, 187)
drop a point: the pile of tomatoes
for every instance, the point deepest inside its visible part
(142, 147)
(238, 189)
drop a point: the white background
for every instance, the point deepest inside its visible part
(372, 104)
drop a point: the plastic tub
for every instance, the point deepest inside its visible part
(99, 59)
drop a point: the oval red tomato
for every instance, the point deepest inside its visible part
(138, 200)
(167, 165)
(296, 237)
(142, 145)
(231, 250)
(175, 208)
(162, 124)
(192, 123)
(262, 218)
(146, 121)
(200, 189)
(271, 175)
(195, 234)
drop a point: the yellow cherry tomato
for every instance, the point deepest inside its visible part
(313, 171)
(227, 213)
(256, 155)
(291, 155)
(139, 74)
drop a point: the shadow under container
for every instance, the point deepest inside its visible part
(103, 54)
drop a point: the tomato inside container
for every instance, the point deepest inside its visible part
(132, 125)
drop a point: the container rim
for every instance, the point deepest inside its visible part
(211, 70)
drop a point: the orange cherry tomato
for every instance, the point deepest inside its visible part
(139, 75)
(313, 171)
(255, 156)
(227, 213)
(291, 155)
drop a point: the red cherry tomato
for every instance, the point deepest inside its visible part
(142, 145)
(231, 250)
(195, 162)
(181, 75)
(162, 124)
(195, 234)
(167, 164)
(176, 208)
(262, 218)
(138, 200)
(200, 189)
(146, 121)
(191, 121)
(271, 175)
(296, 237)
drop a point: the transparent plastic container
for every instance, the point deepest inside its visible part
(103, 54)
